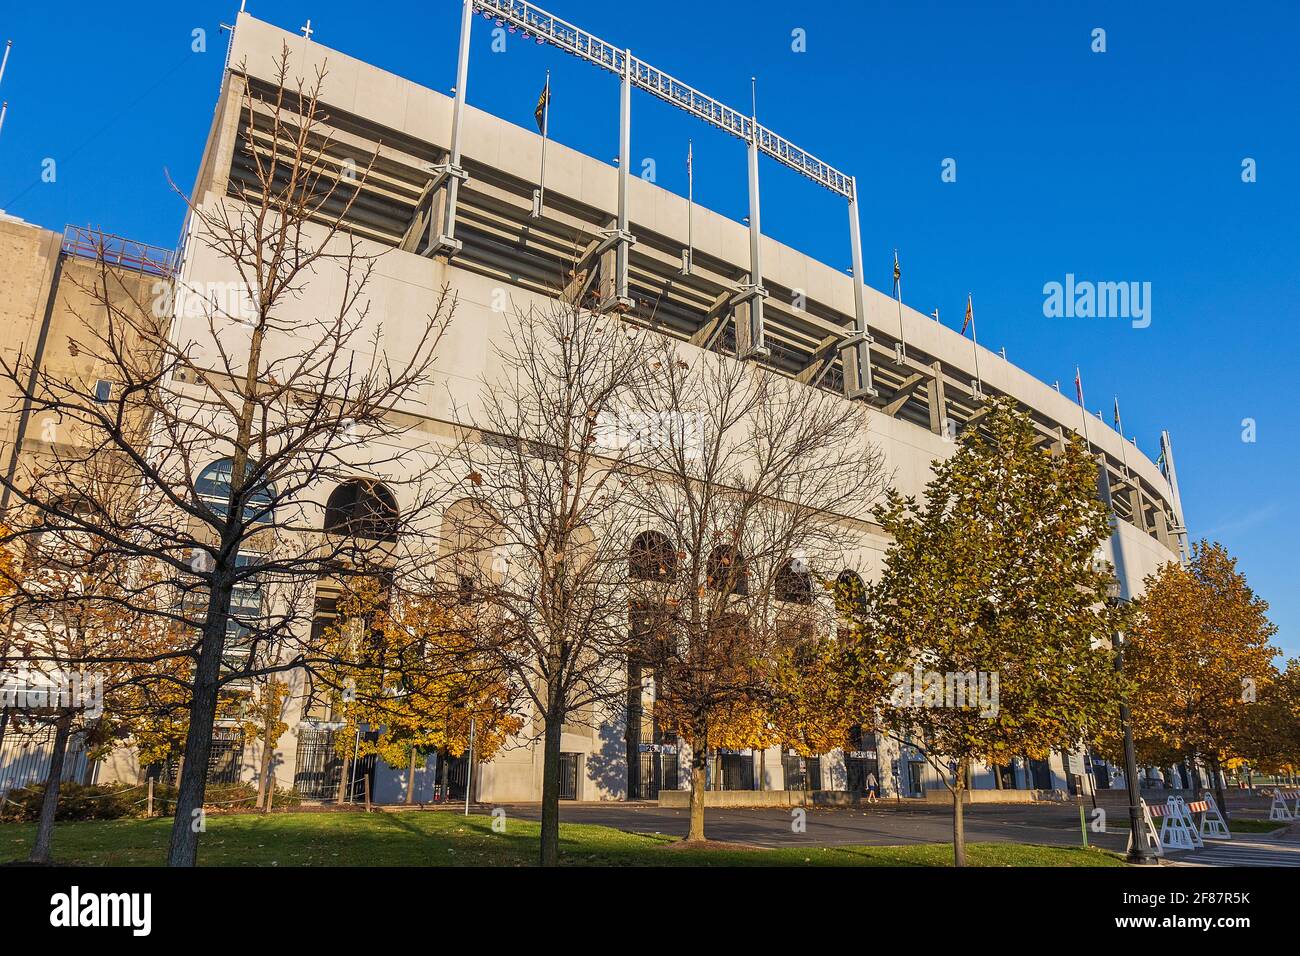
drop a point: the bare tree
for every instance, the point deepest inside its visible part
(754, 489)
(541, 543)
(236, 410)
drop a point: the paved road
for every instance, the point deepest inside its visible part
(885, 824)
(1251, 851)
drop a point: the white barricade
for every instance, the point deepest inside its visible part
(1279, 810)
(1177, 829)
(1212, 822)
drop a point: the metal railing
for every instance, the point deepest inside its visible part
(86, 243)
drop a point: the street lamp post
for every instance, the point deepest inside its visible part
(1139, 853)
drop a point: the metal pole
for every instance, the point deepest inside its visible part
(862, 350)
(457, 118)
(756, 344)
(898, 296)
(546, 131)
(690, 208)
(1167, 446)
(1138, 852)
(624, 174)
(469, 766)
(1083, 408)
(5, 61)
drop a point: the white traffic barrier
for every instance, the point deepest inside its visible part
(1177, 830)
(1212, 822)
(1279, 810)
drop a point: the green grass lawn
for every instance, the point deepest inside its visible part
(448, 839)
(1254, 826)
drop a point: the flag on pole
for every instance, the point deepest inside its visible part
(543, 103)
(1119, 427)
(1078, 384)
(898, 274)
(970, 313)
(690, 150)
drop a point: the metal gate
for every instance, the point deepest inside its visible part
(658, 772)
(227, 755)
(225, 759)
(569, 776)
(736, 771)
(318, 767)
(25, 759)
(801, 773)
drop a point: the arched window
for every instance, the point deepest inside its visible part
(469, 547)
(652, 558)
(850, 592)
(726, 571)
(213, 488)
(362, 508)
(794, 583)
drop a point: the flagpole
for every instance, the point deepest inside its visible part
(1083, 408)
(546, 131)
(974, 341)
(898, 296)
(4, 107)
(1119, 424)
(690, 207)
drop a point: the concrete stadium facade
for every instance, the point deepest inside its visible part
(508, 258)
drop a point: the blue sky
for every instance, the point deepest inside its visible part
(1117, 166)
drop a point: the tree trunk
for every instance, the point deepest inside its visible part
(550, 842)
(50, 803)
(1219, 795)
(958, 820)
(699, 780)
(184, 847)
(410, 780)
(343, 780)
(444, 768)
(265, 784)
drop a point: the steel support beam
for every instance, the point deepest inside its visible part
(616, 297)
(905, 391)
(938, 400)
(749, 317)
(857, 349)
(442, 231)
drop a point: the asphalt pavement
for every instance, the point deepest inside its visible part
(883, 824)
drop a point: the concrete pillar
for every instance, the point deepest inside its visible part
(938, 399)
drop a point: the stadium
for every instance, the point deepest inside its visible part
(454, 199)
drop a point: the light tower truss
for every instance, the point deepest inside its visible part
(533, 21)
(586, 46)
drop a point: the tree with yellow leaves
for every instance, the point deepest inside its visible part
(1200, 658)
(1270, 742)
(413, 681)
